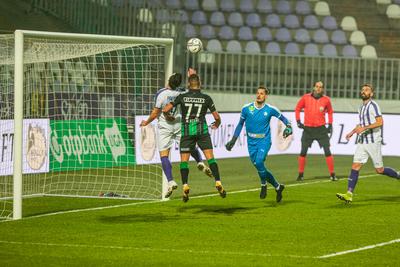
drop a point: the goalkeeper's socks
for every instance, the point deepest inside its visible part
(271, 179)
(196, 155)
(184, 167)
(390, 172)
(167, 168)
(329, 162)
(214, 169)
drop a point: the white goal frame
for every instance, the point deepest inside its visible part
(19, 85)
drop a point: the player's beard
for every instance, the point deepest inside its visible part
(364, 97)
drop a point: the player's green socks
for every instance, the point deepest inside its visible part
(184, 167)
(214, 168)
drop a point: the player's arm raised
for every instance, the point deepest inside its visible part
(153, 115)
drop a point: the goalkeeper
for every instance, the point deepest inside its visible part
(257, 116)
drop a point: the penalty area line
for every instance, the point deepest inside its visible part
(159, 201)
(358, 249)
(166, 250)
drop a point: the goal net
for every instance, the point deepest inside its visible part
(67, 111)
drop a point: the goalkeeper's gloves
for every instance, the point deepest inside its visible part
(300, 125)
(231, 143)
(330, 129)
(288, 131)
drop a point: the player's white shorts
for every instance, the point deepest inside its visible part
(373, 150)
(168, 135)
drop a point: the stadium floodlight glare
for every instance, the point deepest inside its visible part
(67, 108)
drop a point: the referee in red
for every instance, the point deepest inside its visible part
(315, 106)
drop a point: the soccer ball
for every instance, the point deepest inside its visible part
(194, 45)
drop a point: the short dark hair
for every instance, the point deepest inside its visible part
(194, 78)
(369, 85)
(175, 80)
(264, 88)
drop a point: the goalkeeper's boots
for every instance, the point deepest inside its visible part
(263, 192)
(279, 192)
(186, 190)
(346, 197)
(220, 189)
(204, 168)
(333, 177)
(172, 185)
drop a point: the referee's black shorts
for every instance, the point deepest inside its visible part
(320, 134)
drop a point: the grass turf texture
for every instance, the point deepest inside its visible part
(241, 230)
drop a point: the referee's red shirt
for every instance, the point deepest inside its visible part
(314, 110)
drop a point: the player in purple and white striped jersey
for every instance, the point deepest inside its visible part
(369, 142)
(169, 131)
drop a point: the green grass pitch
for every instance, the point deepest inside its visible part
(240, 230)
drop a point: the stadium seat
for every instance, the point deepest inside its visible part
(190, 31)
(235, 19)
(321, 8)
(283, 35)
(214, 45)
(283, 7)
(253, 20)
(226, 33)
(217, 18)
(182, 16)
(349, 24)
(246, 6)
(136, 3)
(117, 3)
(168, 29)
(228, 6)
(349, 51)
(382, 5)
(207, 32)
(234, 46)
(338, 37)
(199, 18)
(291, 22)
(320, 36)
(368, 51)
(209, 5)
(311, 22)
(145, 15)
(273, 21)
(302, 36)
(358, 38)
(264, 6)
(292, 49)
(191, 5)
(245, 33)
(155, 3)
(303, 8)
(329, 50)
(311, 49)
(163, 16)
(273, 48)
(173, 4)
(264, 34)
(397, 2)
(252, 47)
(329, 23)
(393, 11)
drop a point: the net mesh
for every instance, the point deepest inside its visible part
(80, 100)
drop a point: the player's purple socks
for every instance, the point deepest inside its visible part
(390, 172)
(196, 155)
(353, 178)
(167, 167)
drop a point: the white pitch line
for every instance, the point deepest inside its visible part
(158, 201)
(168, 250)
(359, 249)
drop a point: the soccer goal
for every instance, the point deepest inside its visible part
(67, 108)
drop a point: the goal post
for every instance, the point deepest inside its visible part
(75, 97)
